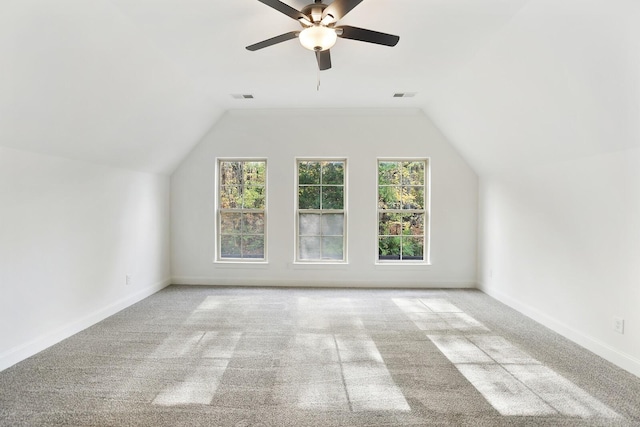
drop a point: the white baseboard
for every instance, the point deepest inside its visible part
(618, 358)
(267, 282)
(36, 345)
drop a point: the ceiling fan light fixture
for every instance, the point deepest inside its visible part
(318, 38)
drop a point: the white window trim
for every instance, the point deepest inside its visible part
(427, 214)
(296, 211)
(217, 258)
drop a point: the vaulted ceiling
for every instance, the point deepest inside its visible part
(137, 83)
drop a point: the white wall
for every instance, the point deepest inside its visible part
(560, 243)
(69, 234)
(361, 137)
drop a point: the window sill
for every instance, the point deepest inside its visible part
(402, 264)
(300, 265)
(240, 264)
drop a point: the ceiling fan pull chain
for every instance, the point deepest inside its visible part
(318, 86)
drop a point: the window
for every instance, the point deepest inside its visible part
(402, 210)
(241, 210)
(321, 211)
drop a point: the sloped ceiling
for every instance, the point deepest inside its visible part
(137, 83)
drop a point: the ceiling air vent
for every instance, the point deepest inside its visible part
(241, 96)
(404, 95)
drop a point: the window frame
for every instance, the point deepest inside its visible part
(218, 212)
(298, 212)
(426, 211)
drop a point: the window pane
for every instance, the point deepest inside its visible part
(241, 209)
(413, 248)
(413, 173)
(309, 248)
(402, 216)
(308, 173)
(309, 198)
(389, 248)
(309, 224)
(231, 197)
(332, 197)
(252, 246)
(332, 248)
(389, 197)
(321, 192)
(388, 173)
(254, 173)
(413, 224)
(333, 173)
(253, 223)
(413, 197)
(390, 224)
(230, 173)
(254, 197)
(230, 247)
(230, 222)
(332, 224)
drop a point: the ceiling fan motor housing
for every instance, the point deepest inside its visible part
(314, 11)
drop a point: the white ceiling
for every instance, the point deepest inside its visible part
(137, 83)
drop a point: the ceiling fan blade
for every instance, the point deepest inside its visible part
(284, 8)
(369, 36)
(274, 40)
(324, 59)
(340, 8)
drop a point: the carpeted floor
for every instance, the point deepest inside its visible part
(202, 356)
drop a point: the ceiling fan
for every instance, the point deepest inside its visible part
(319, 32)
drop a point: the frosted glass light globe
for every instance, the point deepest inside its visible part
(318, 38)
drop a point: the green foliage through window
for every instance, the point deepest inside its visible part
(321, 197)
(401, 210)
(241, 203)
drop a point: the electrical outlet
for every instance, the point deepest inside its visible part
(128, 280)
(618, 325)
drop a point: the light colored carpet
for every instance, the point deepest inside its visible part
(202, 356)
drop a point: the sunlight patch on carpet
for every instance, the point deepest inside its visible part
(512, 381)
